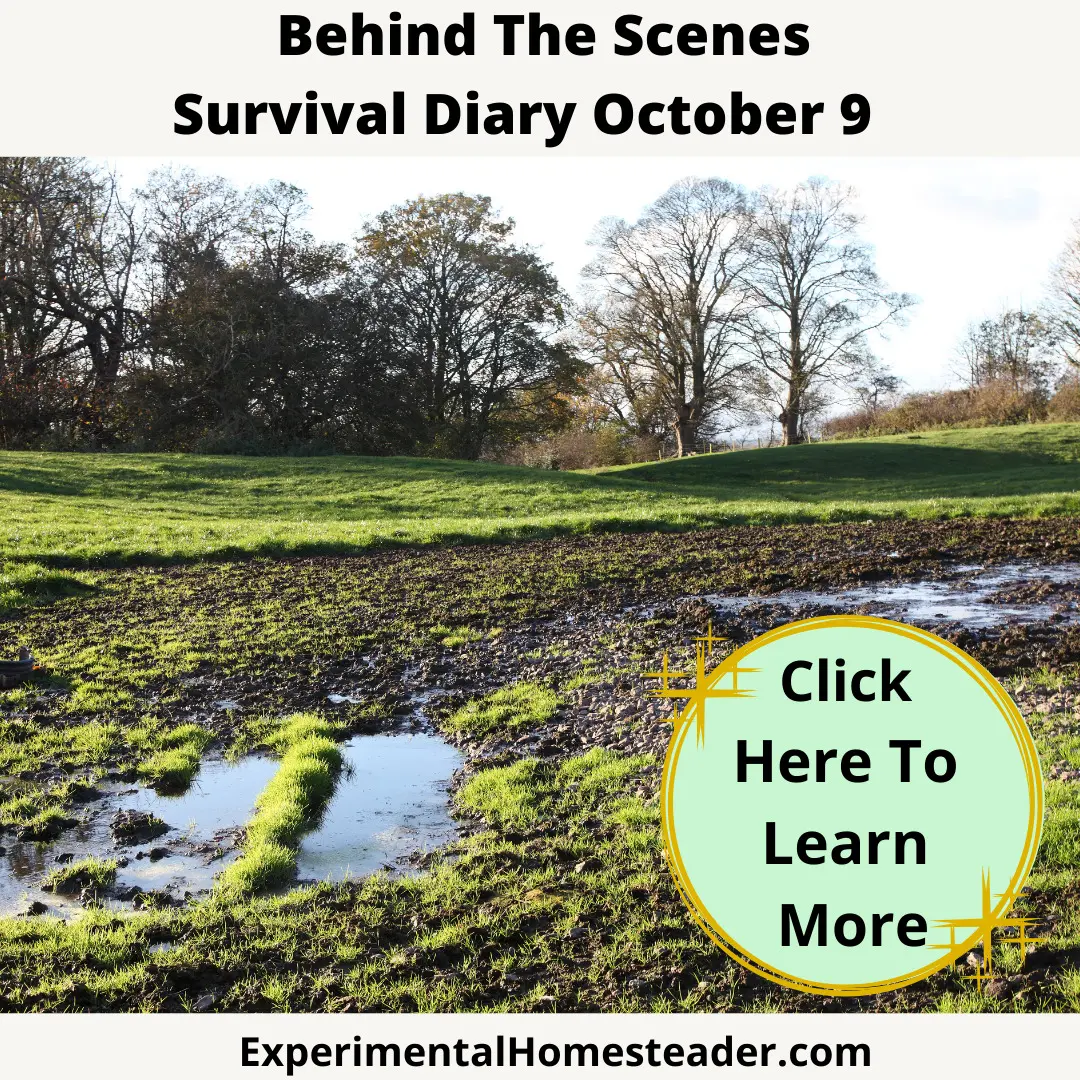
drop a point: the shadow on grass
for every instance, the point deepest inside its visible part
(409, 499)
(36, 584)
(843, 461)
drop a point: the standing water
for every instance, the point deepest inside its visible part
(391, 801)
(204, 822)
(972, 598)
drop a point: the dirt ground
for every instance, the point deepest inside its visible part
(405, 640)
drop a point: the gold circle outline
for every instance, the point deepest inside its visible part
(1005, 705)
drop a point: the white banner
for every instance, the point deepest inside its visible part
(126, 77)
(274, 1046)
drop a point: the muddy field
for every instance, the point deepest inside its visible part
(515, 838)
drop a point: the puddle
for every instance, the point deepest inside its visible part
(968, 597)
(392, 801)
(200, 842)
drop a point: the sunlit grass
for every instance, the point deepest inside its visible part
(288, 806)
(88, 510)
(87, 873)
(508, 709)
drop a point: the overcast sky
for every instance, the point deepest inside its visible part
(966, 236)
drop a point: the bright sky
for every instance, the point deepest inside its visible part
(967, 236)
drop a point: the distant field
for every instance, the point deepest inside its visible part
(112, 509)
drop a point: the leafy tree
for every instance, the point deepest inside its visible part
(240, 315)
(471, 318)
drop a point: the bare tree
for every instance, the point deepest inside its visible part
(621, 387)
(1065, 289)
(817, 297)
(670, 299)
(194, 224)
(876, 389)
(30, 335)
(1014, 348)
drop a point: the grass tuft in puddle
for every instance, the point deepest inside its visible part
(174, 757)
(289, 805)
(89, 873)
(32, 818)
(509, 709)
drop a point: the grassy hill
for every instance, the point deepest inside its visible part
(111, 509)
(1033, 459)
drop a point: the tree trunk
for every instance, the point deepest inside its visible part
(685, 431)
(790, 421)
(791, 418)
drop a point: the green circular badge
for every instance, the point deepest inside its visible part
(850, 804)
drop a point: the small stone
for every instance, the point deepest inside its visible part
(205, 1002)
(37, 908)
(159, 853)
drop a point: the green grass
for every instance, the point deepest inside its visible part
(951, 463)
(508, 709)
(26, 745)
(90, 873)
(126, 650)
(29, 583)
(174, 756)
(562, 897)
(506, 796)
(35, 816)
(87, 510)
(288, 806)
(166, 757)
